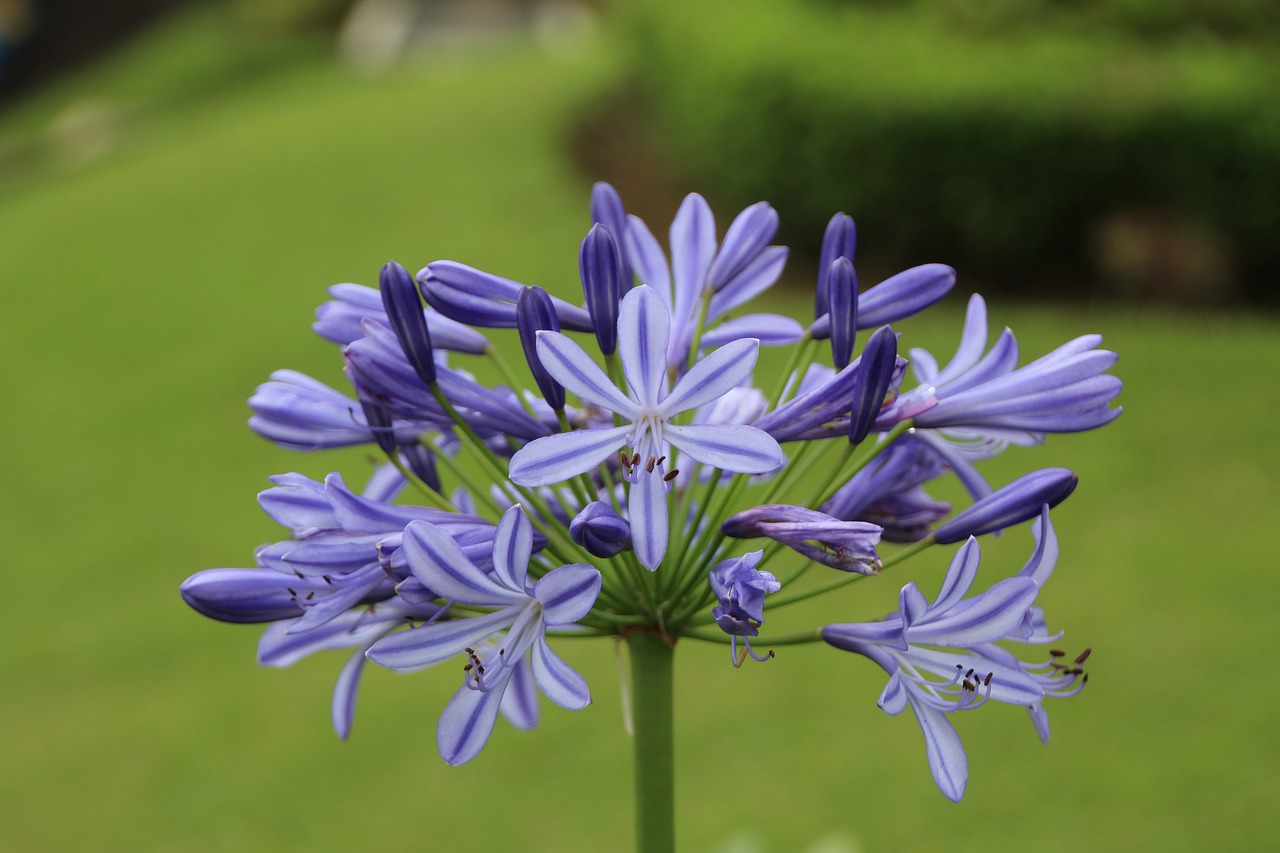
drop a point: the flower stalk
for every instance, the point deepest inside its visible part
(652, 714)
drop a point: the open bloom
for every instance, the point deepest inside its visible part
(644, 329)
(941, 657)
(524, 611)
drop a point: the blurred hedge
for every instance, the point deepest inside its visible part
(1032, 155)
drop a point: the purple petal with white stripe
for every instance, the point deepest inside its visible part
(712, 377)
(567, 593)
(732, 447)
(570, 365)
(644, 329)
(558, 457)
(437, 560)
(468, 721)
(558, 681)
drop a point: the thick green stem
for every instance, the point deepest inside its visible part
(651, 711)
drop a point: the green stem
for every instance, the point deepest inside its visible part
(651, 708)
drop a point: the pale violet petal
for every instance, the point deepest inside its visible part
(558, 457)
(343, 707)
(733, 447)
(769, 329)
(947, 761)
(973, 341)
(428, 644)
(520, 700)
(712, 377)
(468, 721)
(570, 365)
(647, 509)
(644, 328)
(693, 245)
(438, 561)
(960, 575)
(754, 279)
(893, 699)
(647, 258)
(987, 618)
(911, 605)
(512, 547)
(567, 593)
(1045, 556)
(558, 681)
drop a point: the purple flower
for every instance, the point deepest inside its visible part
(941, 656)
(524, 610)
(849, 546)
(644, 329)
(740, 589)
(839, 241)
(738, 270)
(339, 320)
(888, 492)
(301, 413)
(1064, 391)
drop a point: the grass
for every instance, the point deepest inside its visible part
(155, 288)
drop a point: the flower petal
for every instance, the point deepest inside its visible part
(520, 700)
(947, 761)
(438, 561)
(555, 458)
(712, 377)
(512, 547)
(343, 707)
(428, 644)
(558, 681)
(733, 447)
(769, 329)
(467, 722)
(644, 330)
(960, 575)
(570, 365)
(647, 509)
(567, 593)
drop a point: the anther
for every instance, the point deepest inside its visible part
(622, 457)
(311, 595)
(1083, 656)
(1057, 653)
(648, 466)
(635, 460)
(671, 475)
(986, 682)
(292, 592)
(661, 459)
(327, 580)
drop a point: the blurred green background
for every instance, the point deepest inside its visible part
(171, 212)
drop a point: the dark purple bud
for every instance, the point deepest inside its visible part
(600, 530)
(247, 595)
(380, 424)
(422, 463)
(535, 313)
(842, 303)
(840, 241)
(601, 269)
(1012, 504)
(875, 374)
(478, 298)
(409, 322)
(607, 210)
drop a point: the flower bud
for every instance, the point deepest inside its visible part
(534, 313)
(875, 374)
(600, 530)
(842, 301)
(1012, 504)
(404, 309)
(601, 268)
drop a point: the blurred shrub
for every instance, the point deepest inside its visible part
(1028, 157)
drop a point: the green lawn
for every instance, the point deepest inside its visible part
(158, 286)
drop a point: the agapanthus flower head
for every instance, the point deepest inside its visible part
(506, 517)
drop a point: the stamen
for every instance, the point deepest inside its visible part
(671, 475)
(312, 595)
(1083, 656)
(1057, 653)
(649, 465)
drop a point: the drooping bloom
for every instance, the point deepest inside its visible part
(849, 546)
(644, 328)
(941, 656)
(740, 589)
(524, 610)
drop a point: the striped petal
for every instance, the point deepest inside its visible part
(437, 560)
(733, 447)
(467, 722)
(712, 377)
(512, 547)
(567, 593)
(428, 644)
(570, 365)
(558, 681)
(558, 457)
(644, 329)
(647, 509)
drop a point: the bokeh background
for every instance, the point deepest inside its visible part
(179, 182)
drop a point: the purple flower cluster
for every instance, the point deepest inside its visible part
(603, 489)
